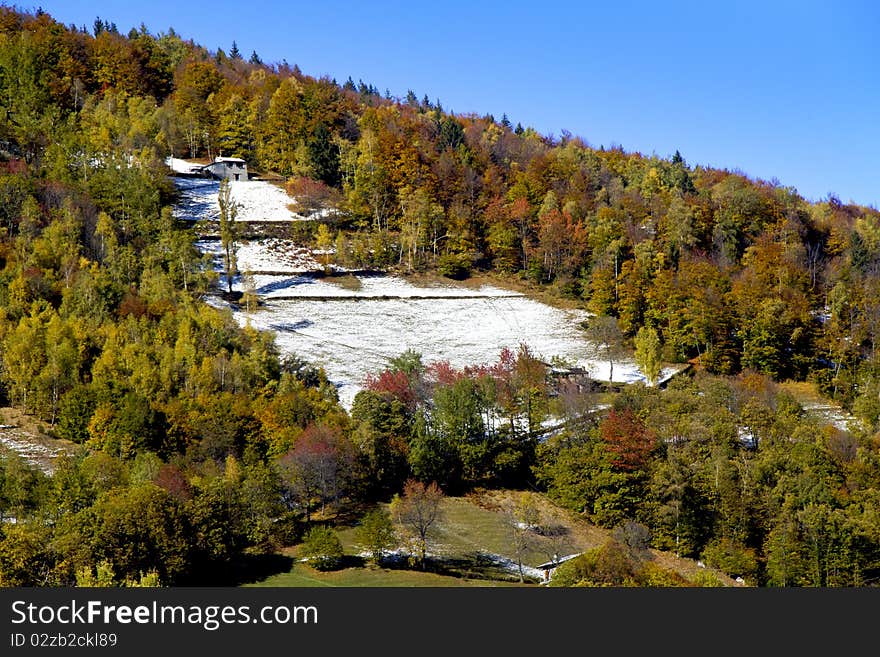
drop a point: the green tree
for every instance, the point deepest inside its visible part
(733, 558)
(26, 558)
(75, 411)
(381, 430)
(195, 84)
(228, 231)
(324, 156)
(322, 548)
(530, 382)
(138, 530)
(647, 354)
(376, 533)
(218, 524)
(235, 128)
(457, 420)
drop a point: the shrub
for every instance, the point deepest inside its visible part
(454, 265)
(654, 576)
(635, 536)
(731, 558)
(322, 548)
(376, 532)
(706, 579)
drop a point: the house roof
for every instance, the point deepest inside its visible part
(553, 564)
(228, 159)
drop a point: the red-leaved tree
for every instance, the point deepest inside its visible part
(628, 440)
(318, 467)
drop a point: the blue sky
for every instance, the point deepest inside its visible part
(784, 90)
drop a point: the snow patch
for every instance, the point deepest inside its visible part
(270, 286)
(353, 330)
(34, 453)
(275, 255)
(833, 415)
(181, 166)
(353, 336)
(512, 566)
(257, 200)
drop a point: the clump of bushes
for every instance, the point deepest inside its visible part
(322, 548)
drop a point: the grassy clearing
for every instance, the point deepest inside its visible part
(302, 575)
(477, 524)
(579, 535)
(472, 530)
(804, 392)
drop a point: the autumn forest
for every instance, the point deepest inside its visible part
(197, 448)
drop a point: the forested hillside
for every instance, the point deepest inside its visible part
(200, 446)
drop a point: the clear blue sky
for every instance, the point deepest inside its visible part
(785, 90)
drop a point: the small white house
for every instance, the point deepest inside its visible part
(230, 168)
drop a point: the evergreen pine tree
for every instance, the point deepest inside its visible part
(324, 156)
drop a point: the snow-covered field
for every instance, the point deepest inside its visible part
(352, 329)
(351, 336)
(366, 287)
(257, 200)
(178, 165)
(275, 255)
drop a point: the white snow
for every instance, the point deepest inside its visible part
(353, 330)
(275, 255)
(257, 200)
(511, 566)
(501, 561)
(832, 414)
(181, 166)
(746, 437)
(34, 453)
(270, 286)
(351, 336)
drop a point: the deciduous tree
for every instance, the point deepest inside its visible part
(417, 511)
(228, 231)
(604, 332)
(647, 353)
